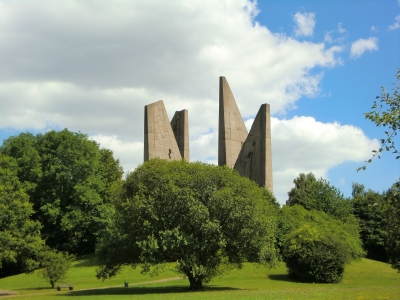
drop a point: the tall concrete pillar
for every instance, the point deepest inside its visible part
(159, 139)
(180, 127)
(255, 158)
(232, 132)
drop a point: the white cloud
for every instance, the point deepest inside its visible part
(92, 66)
(328, 37)
(302, 145)
(396, 24)
(341, 29)
(374, 29)
(336, 35)
(361, 45)
(299, 145)
(305, 23)
(130, 154)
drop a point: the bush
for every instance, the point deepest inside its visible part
(55, 265)
(315, 246)
(314, 255)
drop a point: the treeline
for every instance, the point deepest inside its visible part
(61, 193)
(55, 189)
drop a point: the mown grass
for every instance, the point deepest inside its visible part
(364, 279)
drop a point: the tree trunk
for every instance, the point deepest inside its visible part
(195, 283)
(52, 284)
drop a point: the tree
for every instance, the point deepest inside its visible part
(19, 235)
(386, 114)
(392, 197)
(315, 246)
(369, 208)
(319, 194)
(205, 218)
(70, 181)
(55, 265)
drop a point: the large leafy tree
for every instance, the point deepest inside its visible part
(69, 180)
(202, 217)
(19, 235)
(369, 208)
(319, 194)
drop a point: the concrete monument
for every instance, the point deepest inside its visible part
(249, 154)
(180, 127)
(254, 160)
(160, 139)
(232, 132)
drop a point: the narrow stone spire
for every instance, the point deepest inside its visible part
(231, 132)
(255, 158)
(180, 127)
(159, 139)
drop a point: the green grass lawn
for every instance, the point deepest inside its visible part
(365, 279)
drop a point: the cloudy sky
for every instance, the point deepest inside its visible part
(91, 66)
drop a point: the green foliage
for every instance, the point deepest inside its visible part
(19, 235)
(70, 181)
(293, 217)
(386, 114)
(369, 208)
(315, 246)
(363, 279)
(315, 255)
(205, 218)
(55, 265)
(393, 225)
(318, 194)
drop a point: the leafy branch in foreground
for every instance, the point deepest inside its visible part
(386, 114)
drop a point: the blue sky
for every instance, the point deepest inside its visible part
(91, 66)
(348, 90)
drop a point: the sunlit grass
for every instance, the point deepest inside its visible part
(365, 279)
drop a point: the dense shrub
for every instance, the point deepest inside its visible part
(315, 246)
(314, 255)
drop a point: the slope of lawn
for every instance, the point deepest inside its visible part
(364, 279)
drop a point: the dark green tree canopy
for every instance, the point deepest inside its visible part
(392, 198)
(19, 235)
(369, 208)
(203, 217)
(319, 194)
(69, 180)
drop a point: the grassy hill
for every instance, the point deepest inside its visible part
(365, 279)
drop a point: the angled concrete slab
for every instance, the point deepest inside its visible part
(255, 158)
(180, 127)
(232, 132)
(159, 139)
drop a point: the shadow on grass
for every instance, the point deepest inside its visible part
(283, 277)
(88, 260)
(37, 289)
(144, 290)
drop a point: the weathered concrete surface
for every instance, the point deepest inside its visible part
(159, 139)
(232, 132)
(180, 127)
(255, 158)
